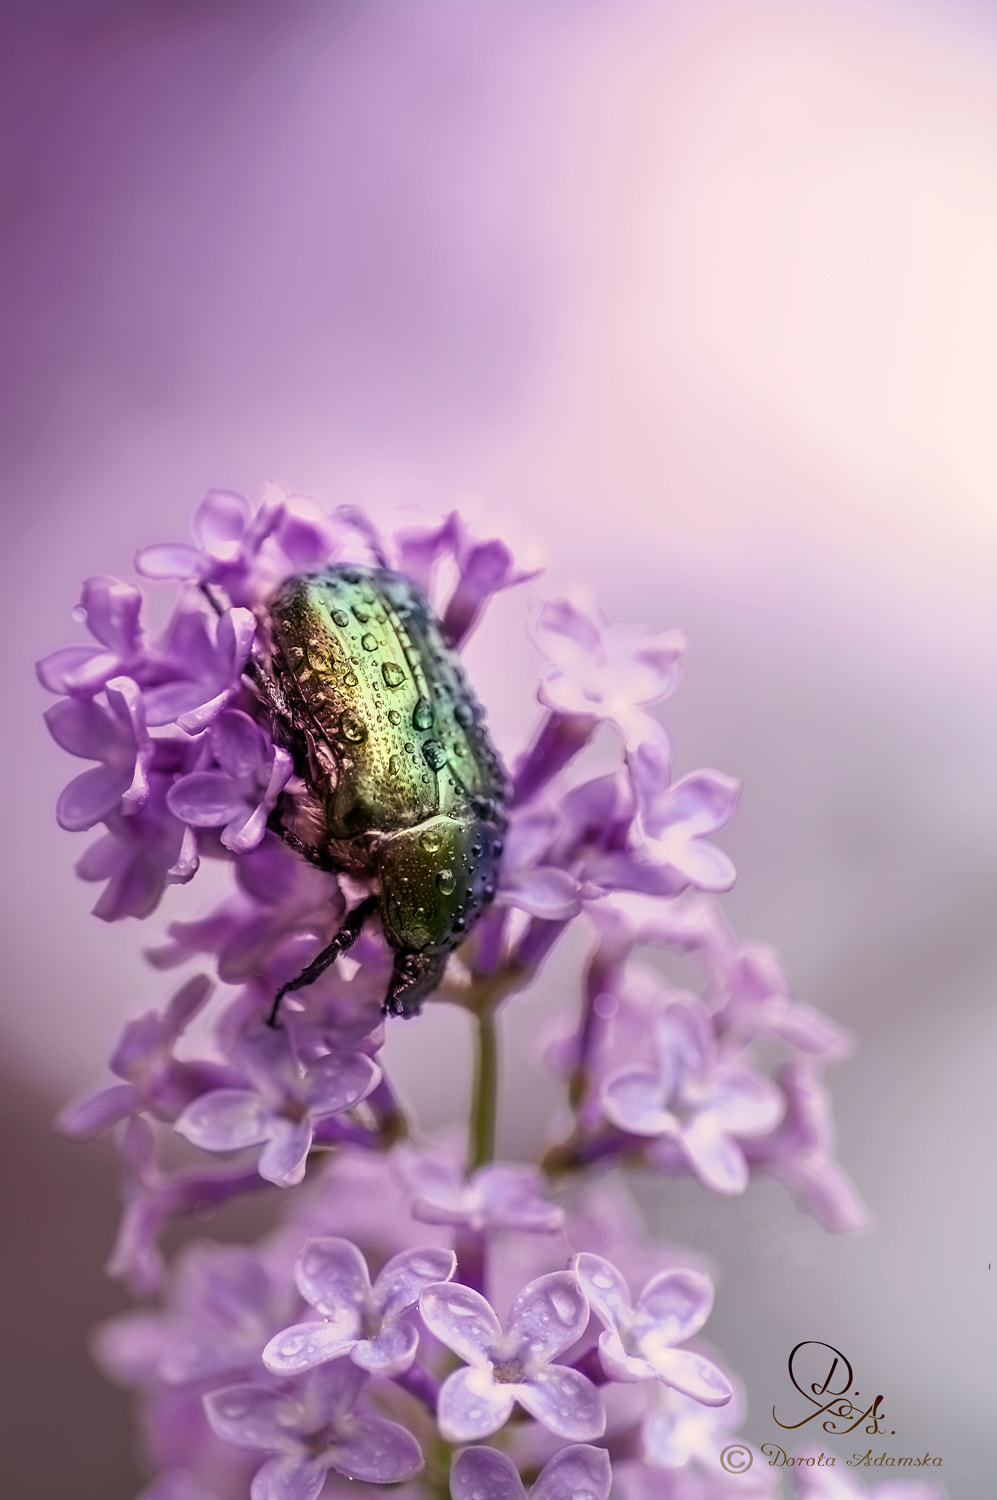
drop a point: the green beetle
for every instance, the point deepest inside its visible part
(403, 784)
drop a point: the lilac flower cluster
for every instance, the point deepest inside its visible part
(448, 1323)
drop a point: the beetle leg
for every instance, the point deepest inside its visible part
(414, 976)
(307, 851)
(347, 935)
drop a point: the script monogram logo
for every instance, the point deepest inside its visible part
(829, 1394)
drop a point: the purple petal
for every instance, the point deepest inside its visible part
(576, 1473)
(205, 799)
(634, 1099)
(463, 1320)
(546, 892)
(285, 1155)
(167, 560)
(91, 1116)
(332, 1275)
(84, 728)
(339, 1080)
(692, 1374)
(204, 714)
(380, 1452)
(239, 745)
(565, 1401)
(189, 999)
(389, 1352)
(746, 1103)
(618, 1363)
(549, 1315)
(472, 1405)
(604, 1287)
(675, 1304)
(225, 1120)
(405, 1276)
(249, 1416)
(485, 1474)
(76, 669)
(89, 797)
(236, 630)
(112, 609)
(714, 1155)
(289, 1479)
(306, 1345)
(220, 522)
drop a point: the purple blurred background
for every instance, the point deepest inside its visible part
(699, 298)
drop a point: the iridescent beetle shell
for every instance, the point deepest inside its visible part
(403, 782)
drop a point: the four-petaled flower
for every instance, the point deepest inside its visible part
(252, 772)
(547, 1317)
(311, 1427)
(609, 672)
(693, 1099)
(368, 1323)
(638, 1343)
(280, 1112)
(502, 1195)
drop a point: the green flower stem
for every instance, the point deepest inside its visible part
(484, 1098)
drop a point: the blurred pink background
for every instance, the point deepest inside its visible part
(699, 299)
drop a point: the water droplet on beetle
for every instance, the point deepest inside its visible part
(352, 728)
(394, 717)
(393, 675)
(431, 840)
(350, 680)
(464, 714)
(360, 615)
(369, 642)
(340, 618)
(422, 714)
(435, 754)
(446, 882)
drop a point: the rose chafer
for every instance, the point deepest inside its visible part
(402, 784)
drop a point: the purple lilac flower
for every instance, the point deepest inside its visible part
(547, 1317)
(578, 1472)
(638, 1343)
(702, 1102)
(225, 1302)
(151, 1197)
(142, 852)
(529, 878)
(113, 615)
(369, 1323)
(229, 545)
(209, 657)
(502, 1195)
(281, 1108)
(243, 792)
(143, 1057)
(310, 1425)
(678, 1430)
(760, 1004)
(800, 1152)
(117, 737)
